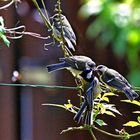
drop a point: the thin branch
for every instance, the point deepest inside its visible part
(107, 133)
(45, 10)
(39, 86)
(92, 134)
(114, 135)
(47, 23)
(73, 129)
(89, 128)
(135, 134)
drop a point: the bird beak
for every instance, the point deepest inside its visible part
(95, 69)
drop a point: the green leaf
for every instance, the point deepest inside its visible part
(95, 114)
(132, 102)
(100, 122)
(132, 124)
(138, 119)
(6, 41)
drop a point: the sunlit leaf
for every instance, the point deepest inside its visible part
(109, 94)
(138, 112)
(132, 124)
(132, 102)
(138, 119)
(68, 106)
(105, 99)
(112, 108)
(102, 109)
(110, 113)
(100, 122)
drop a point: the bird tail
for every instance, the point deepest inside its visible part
(55, 67)
(79, 114)
(88, 118)
(130, 93)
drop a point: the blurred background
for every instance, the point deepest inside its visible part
(108, 31)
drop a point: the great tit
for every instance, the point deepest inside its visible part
(115, 80)
(92, 89)
(75, 64)
(65, 27)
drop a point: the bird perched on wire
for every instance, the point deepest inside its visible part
(62, 28)
(75, 64)
(115, 80)
(92, 89)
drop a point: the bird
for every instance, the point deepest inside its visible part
(75, 64)
(92, 89)
(62, 28)
(115, 80)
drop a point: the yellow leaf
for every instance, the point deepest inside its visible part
(105, 99)
(138, 112)
(132, 102)
(110, 113)
(132, 124)
(109, 94)
(68, 106)
(103, 110)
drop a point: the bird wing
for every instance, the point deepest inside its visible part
(114, 79)
(77, 62)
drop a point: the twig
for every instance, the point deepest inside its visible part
(89, 128)
(92, 134)
(114, 135)
(46, 13)
(73, 129)
(46, 21)
(107, 133)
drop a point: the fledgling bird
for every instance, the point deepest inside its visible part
(75, 64)
(92, 89)
(68, 33)
(115, 80)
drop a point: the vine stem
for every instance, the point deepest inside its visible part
(107, 133)
(114, 135)
(46, 21)
(39, 86)
(7, 5)
(92, 134)
(90, 129)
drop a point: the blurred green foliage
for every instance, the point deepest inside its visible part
(116, 22)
